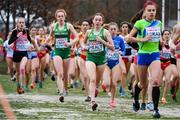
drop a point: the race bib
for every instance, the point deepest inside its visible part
(133, 52)
(22, 44)
(112, 55)
(154, 32)
(60, 42)
(127, 45)
(95, 47)
(165, 53)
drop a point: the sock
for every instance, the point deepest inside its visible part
(137, 90)
(17, 84)
(155, 97)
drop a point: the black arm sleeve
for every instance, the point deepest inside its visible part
(13, 37)
(28, 36)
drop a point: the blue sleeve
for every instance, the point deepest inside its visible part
(122, 46)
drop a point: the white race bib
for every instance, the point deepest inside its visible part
(95, 47)
(60, 42)
(166, 53)
(112, 55)
(22, 44)
(154, 32)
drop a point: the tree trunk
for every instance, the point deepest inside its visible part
(7, 22)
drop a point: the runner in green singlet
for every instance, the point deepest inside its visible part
(96, 38)
(61, 32)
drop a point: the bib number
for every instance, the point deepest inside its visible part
(60, 42)
(154, 32)
(95, 47)
(113, 55)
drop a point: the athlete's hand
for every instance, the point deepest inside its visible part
(68, 44)
(84, 48)
(148, 37)
(99, 39)
(177, 46)
(19, 34)
(127, 38)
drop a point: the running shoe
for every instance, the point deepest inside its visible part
(20, 90)
(156, 114)
(123, 94)
(94, 105)
(120, 89)
(36, 80)
(33, 85)
(13, 78)
(26, 88)
(88, 99)
(71, 86)
(40, 84)
(96, 92)
(109, 94)
(53, 77)
(61, 99)
(174, 97)
(163, 101)
(113, 103)
(143, 106)
(76, 84)
(136, 106)
(83, 88)
(173, 94)
(130, 86)
(150, 106)
(104, 87)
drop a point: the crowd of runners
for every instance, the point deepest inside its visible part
(98, 54)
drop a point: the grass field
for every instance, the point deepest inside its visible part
(43, 104)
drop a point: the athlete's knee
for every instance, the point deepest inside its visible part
(114, 83)
(71, 76)
(124, 72)
(17, 73)
(22, 71)
(143, 84)
(93, 80)
(176, 75)
(156, 81)
(86, 79)
(60, 75)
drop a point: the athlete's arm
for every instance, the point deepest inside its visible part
(34, 44)
(50, 36)
(109, 42)
(130, 37)
(76, 37)
(122, 46)
(13, 37)
(83, 41)
(175, 36)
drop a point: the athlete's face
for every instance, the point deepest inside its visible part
(150, 12)
(41, 31)
(113, 30)
(124, 28)
(33, 31)
(60, 16)
(166, 36)
(20, 23)
(98, 21)
(85, 26)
